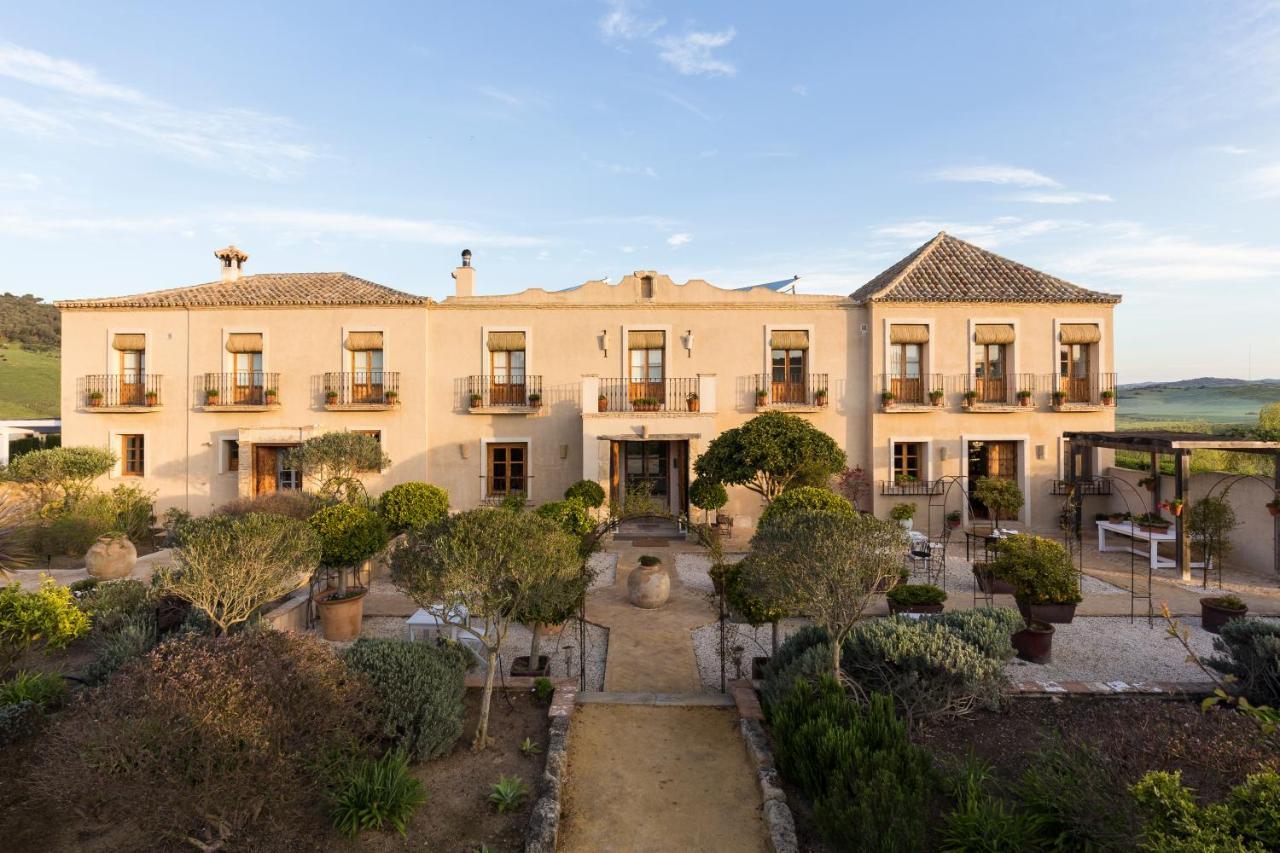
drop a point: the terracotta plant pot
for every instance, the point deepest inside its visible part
(820, 400)
(648, 587)
(520, 667)
(341, 619)
(602, 404)
(915, 608)
(110, 557)
(1035, 642)
(1213, 616)
(1025, 402)
(1057, 614)
(1154, 528)
(990, 584)
(694, 405)
(1274, 510)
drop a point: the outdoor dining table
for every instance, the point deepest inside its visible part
(988, 539)
(1137, 534)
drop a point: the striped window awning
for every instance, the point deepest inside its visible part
(1079, 333)
(506, 341)
(654, 339)
(244, 342)
(789, 339)
(993, 333)
(129, 343)
(909, 333)
(364, 341)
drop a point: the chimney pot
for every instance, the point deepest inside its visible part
(465, 276)
(232, 259)
(466, 257)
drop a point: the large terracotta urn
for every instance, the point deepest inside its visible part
(341, 615)
(648, 585)
(111, 557)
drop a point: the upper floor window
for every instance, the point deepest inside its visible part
(366, 366)
(246, 366)
(906, 361)
(646, 353)
(789, 365)
(991, 361)
(507, 361)
(1076, 342)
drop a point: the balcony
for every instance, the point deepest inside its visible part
(1010, 393)
(1088, 394)
(486, 396)
(121, 392)
(807, 394)
(910, 487)
(245, 391)
(623, 396)
(363, 391)
(1081, 486)
(911, 393)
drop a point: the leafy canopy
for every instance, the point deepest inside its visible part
(768, 452)
(1038, 568)
(707, 494)
(65, 473)
(413, 506)
(348, 534)
(334, 460)
(47, 616)
(806, 499)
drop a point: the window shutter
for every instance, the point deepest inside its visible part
(911, 333)
(646, 340)
(244, 342)
(129, 343)
(993, 333)
(796, 339)
(1079, 333)
(506, 341)
(364, 341)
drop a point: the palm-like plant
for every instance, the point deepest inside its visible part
(14, 517)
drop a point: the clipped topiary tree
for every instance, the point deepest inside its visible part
(571, 515)
(333, 462)
(589, 492)
(707, 495)
(999, 495)
(413, 506)
(806, 499)
(349, 535)
(61, 473)
(768, 452)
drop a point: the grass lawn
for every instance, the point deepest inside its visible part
(1233, 404)
(28, 383)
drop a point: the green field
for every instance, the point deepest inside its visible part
(28, 383)
(1212, 404)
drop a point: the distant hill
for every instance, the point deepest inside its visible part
(30, 321)
(1207, 399)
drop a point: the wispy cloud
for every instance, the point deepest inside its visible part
(318, 223)
(1266, 181)
(688, 105)
(680, 239)
(622, 23)
(1233, 150)
(1166, 259)
(1014, 175)
(1000, 231)
(661, 223)
(622, 168)
(801, 89)
(19, 181)
(16, 223)
(693, 52)
(1061, 197)
(85, 107)
(500, 96)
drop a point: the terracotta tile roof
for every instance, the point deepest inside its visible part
(947, 269)
(308, 288)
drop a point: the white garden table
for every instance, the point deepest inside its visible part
(431, 622)
(1137, 534)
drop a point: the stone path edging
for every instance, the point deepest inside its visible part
(544, 821)
(775, 812)
(1165, 689)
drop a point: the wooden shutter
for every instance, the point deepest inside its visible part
(792, 339)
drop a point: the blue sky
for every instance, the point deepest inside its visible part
(1132, 147)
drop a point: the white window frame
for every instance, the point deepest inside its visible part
(926, 463)
(926, 363)
(113, 354)
(810, 359)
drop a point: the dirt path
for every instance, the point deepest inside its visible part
(655, 779)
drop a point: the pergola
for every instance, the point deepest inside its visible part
(1179, 445)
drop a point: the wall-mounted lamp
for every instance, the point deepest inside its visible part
(603, 338)
(465, 449)
(943, 453)
(687, 341)
(564, 451)
(1039, 451)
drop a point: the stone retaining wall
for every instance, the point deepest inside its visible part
(775, 812)
(544, 822)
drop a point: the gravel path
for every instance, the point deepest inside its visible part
(517, 644)
(960, 579)
(694, 570)
(755, 642)
(605, 565)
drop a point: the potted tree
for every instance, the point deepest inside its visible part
(1002, 497)
(535, 400)
(551, 600)
(903, 513)
(1219, 610)
(749, 608)
(989, 583)
(916, 598)
(954, 519)
(1108, 398)
(349, 536)
(475, 400)
(820, 397)
(1059, 398)
(936, 397)
(708, 495)
(1034, 643)
(691, 400)
(1046, 585)
(887, 398)
(1024, 398)
(970, 397)
(95, 399)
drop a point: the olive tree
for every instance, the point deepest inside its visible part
(229, 566)
(61, 473)
(768, 452)
(827, 565)
(495, 564)
(1001, 496)
(708, 496)
(334, 460)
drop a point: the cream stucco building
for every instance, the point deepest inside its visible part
(954, 363)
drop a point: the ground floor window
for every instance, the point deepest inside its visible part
(508, 468)
(132, 456)
(908, 462)
(231, 451)
(377, 435)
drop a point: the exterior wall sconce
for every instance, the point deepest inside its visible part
(686, 340)
(1040, 451)
(465, 449)
(603, 339)
(564, 451)
(943, 453)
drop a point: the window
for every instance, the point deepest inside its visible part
(132, 377)
(231, 449)
(247, 378)
(1073, 371)
(789, 366)
(377, 434)
(132, 456)
(366, 376)
(647, 359)
(508, 469)
(989, 373)
(908, 462)
(904, 372)
(506, 374)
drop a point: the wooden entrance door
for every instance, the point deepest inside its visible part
(990, 459)
(271, 471)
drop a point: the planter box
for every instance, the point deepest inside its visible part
(520, 667)
(1213, 617)
(992, 585)
(915, 608)
(1057, 614)
(1035, 642)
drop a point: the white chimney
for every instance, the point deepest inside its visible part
(232, 262)
(465, 276)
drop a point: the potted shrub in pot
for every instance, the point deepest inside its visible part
(970, 397)
(95, 399)
(886, 399)
(392, 397)
(602, 403)
(989, 583)
(954, 519)
(1059, 398)
(1148, 483)
(916, 598)
(936, 397)
(691, 400)
(330, 397)
(820, 397)
(1024, 398)
(535, 400)
(152, 398)
(271, 395)
(1046, 585)
(903, 513)
(475, 400)
(1108, 398)
(349, 536)
(1151, 522)
(762, 399)
(1034, 643)
(211, 396)
(1219, 610)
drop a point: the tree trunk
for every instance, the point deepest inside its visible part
(482, 727)
(835, 658)
(774, 637)
(535, 645)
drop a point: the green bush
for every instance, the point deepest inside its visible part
(903, 512)
(869, 784)
(421, 688)
(71, 532)
(114, 603)
(413, 506)
(707, 494)
(227, 738)
(987, 628)
(290, 503)
(1248, 819)
(508, 793)
(1077, 800)
(113, 649)
(61, 473)
(915, 594)
(48, 616)
(373, 792)
(806, 499)
(46, 689)
(571, 515)
(1039, 568)
(135, 513)
(1002, 497)
(589, 492)
(980, 821)
(349, 534)
(1249, 649)
(750, 607)
(780, 680)
(19, 720)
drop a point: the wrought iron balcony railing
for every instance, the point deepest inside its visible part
(903, 486)
(488, 392)
(913, 390)
(242, 388)
(121, 390)
(371, 387)
(1096, 390)
(663, 395)
(807, 390)
(1009, 390)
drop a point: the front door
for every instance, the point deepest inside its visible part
(272, 471)
(990, 459)
(651, 476)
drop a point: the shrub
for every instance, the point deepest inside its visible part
(113, 604)
(372, 792)
(61, 473)
(222, 739)
(543, 690)
(806, 499)
(589, 492)
(903, 512)
(134, 511)
(768, 453)
(810, 663)
(571, 515)
(649, 560)
(1001, 496)
(413, 506)
(333, 461)
(796, 645)
(174, 522)
(508, 793)
(290, 503)
(114, 649)
(987, 628)
(1077, 800)
(1039, 568)
(19, 720)
(1211, 521)
(868, 782)
(47, 617)
(750, 607)
(230, 566)
(1248, 819)
(71, 532)
(349, 534)
(421, 688)
(915, 594)
(1249, 649)
(46, 689)
(707, 495)
(980, 821)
